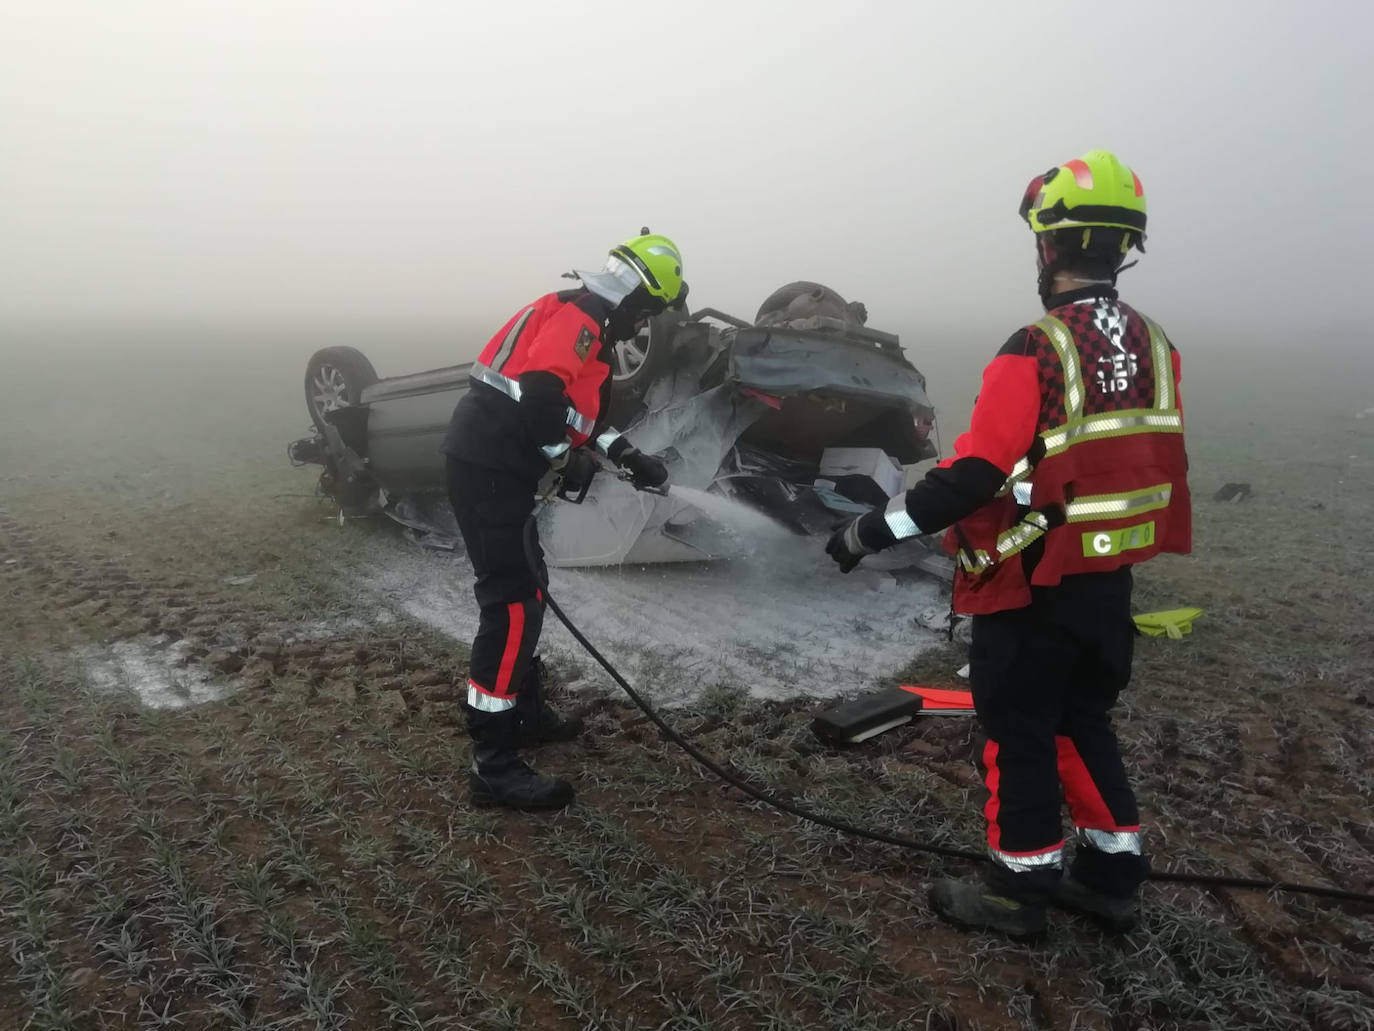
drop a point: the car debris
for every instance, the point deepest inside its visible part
(1233, 492)
(1173, 623)
(869, 715)
(805, 414)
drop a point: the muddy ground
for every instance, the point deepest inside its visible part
(286, 843)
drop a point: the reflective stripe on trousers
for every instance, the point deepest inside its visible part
(1110, 842)
(1050, 859)
(485, 701)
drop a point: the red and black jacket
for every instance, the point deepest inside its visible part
(1057, 478)
(551, 353)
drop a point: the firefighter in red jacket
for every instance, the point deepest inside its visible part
(538, 397)
(1073, 470)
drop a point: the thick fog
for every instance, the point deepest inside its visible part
(424, 167)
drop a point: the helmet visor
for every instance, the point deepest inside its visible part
(616, 281)
(1031, 199)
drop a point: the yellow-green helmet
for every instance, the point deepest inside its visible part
(1094, 190)
(658, 263)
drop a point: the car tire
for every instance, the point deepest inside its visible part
(335, 377)
(637, 363)
(819, 298)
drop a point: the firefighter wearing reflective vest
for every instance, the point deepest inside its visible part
(537, 401)
(1073, 470)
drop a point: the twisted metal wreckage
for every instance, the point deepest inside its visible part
(805, 414)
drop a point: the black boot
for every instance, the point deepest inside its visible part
(1113, 913)
(540, 724)
(499, 777)
(999, 900)
(1104, 887)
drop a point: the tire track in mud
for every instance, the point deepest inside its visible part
(230, 633)
(54, 592)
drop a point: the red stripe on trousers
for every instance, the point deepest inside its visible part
(1086, 804)
(515, 615)
(992, 777)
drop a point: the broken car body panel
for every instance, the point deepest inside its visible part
(737, 409)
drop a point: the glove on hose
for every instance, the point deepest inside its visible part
(576, 470)
(645, 470)
(864, 535)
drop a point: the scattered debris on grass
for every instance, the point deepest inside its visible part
(1233, 492)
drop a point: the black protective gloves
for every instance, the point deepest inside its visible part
(544, 412)
(576, 473)
(864, 535)
(645, 470)
(579, 465)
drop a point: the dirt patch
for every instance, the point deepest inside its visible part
(299, 851)
(290, 853)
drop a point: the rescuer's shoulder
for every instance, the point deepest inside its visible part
(1017, 344)
(598, 309)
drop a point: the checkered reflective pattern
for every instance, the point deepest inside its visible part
(1113, 345)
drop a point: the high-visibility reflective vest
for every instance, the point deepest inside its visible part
(1096, 492)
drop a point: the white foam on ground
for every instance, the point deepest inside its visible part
(154, 670)
(780, 622)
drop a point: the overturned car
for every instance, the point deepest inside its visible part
(805, 414)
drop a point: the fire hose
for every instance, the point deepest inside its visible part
(872, 834)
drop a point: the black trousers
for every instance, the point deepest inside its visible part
(491, 506)
(1045, 678)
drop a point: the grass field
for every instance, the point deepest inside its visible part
(299, 853)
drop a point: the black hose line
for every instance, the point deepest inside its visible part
(767, 797)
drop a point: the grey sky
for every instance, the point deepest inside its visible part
(436, 164)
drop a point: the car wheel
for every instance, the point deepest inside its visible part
(802, 299)
(335, 377)
(636, 363)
